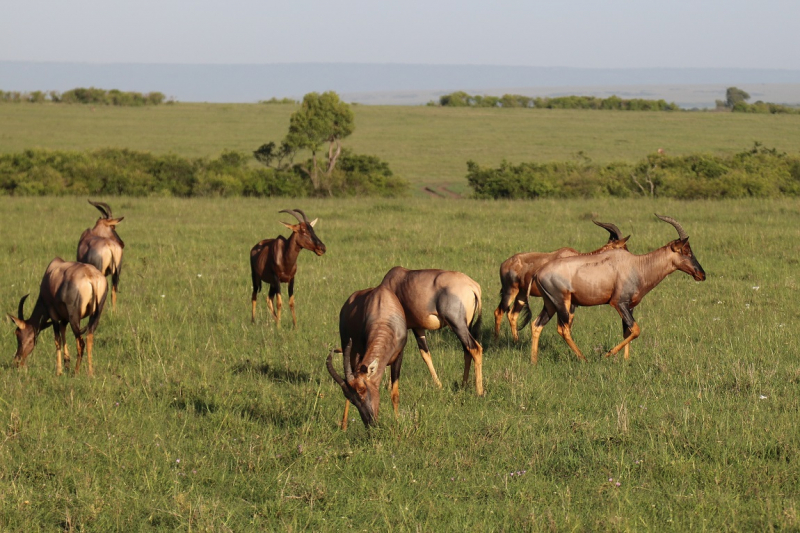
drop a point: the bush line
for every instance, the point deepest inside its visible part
(113, 171)
(755, 173)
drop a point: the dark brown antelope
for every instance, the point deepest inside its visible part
(372, 327)
(101, 246)
(516, 276)
(615, 277)
(274, 261)
(432, 299)
(68, 293)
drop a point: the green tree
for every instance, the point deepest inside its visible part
(734, 95)
(322, 118)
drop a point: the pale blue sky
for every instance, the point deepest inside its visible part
(569, 33)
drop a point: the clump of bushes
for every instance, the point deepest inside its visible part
(462, 99)
(112, 171)
(755, 173)
(765, 107)
(82, 95)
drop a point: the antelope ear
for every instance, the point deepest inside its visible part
(290, 226)
(373, 367)
(677, 245)
(20, 323)
(623, 241)
(115, 221)
(313, 222)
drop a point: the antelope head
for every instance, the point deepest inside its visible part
(359, 387)
(615, 238)
(105, 224)
(682, 256)
(304, 231)
(25, 333)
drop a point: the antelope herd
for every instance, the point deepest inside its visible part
(374, 322)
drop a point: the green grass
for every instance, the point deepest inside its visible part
(198, 420)
(425, 145)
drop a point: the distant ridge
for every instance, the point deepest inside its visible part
(251, 83)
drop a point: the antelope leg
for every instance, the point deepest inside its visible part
(344, 418)
(564, 331)
(634, 332)
(422, 344)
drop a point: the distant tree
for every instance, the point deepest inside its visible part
(322, 118)
(277, 157)
(734, 95)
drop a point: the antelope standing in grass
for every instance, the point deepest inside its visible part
(68, 293)
(101, 246)
(372, 327)
(274, 261)
(516, 276)
(616, 277)
(432, 299)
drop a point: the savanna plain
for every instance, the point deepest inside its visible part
(198, 420)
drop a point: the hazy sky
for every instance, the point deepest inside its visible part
(567, 33)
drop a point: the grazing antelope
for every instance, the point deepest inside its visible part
(275, 261)
(516, 276)
(372, 327)
(432, 299)
(101, 246)
(616, 277)
(68, 293)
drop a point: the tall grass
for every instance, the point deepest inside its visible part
(198, 420)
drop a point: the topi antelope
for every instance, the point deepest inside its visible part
(432, 299)
(274, 261)
(101, 246)
(372, 327)
(516, 276)
(616, 277)
(68, 293)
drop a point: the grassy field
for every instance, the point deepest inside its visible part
(197, 420)
(425, 145)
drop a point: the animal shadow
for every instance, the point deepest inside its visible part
(278, 375)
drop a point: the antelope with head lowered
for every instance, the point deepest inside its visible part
(101, 246)
(432, 299)
(68, 293)
(516, 276)
(274, 261)
(372, 327)
(616, 277)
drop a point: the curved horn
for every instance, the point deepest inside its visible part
(293, 213)
(305, 218)
(616, 234)
(332, 371)
(21, 305)
(103, 208)
(669, 220)
(348, 367)
(348, 391)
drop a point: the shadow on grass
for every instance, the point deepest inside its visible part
(278, 418)
(201, 406)
(278, 375)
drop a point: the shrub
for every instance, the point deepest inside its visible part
(755, 173)
(112, 171)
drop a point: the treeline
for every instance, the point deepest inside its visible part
(765, 107)
(112, 171)
(83, 95)
(462, 99)
(755, 173)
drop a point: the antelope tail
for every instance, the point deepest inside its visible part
(477, 320)
(525, 314)
(99, 303)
